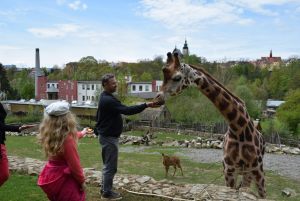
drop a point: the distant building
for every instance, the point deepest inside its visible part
(272, 105)
(140, 87)
(269, 62)
(185, 50)
(146, 90)
(56, 90)
(176, 50)
(89, 90)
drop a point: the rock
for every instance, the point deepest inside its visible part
(143, 179)
(157, 191)
(288, 192)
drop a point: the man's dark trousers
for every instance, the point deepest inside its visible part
(110, 150)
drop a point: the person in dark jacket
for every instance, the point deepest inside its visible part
(4, 171)
(109, 128)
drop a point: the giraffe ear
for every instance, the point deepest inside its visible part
(177, 62)
(170, 58)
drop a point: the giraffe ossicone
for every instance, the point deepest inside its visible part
(243, 144)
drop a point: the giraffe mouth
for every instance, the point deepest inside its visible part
(160, 98)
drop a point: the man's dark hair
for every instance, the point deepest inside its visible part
(106, 77)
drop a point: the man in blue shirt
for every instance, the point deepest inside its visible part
(109, 128)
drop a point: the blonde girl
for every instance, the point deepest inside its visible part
(62, 177)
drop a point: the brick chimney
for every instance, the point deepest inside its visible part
(37, 70)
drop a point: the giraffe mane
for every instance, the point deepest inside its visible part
(217, 82)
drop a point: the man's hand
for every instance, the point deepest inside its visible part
(23, 127)
(153, 104)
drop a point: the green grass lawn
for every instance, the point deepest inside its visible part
(146, 162)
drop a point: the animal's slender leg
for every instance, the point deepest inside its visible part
(174, 170)
(167, 169)
(180, 169)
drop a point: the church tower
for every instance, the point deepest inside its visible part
(185, 49)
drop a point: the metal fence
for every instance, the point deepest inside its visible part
(215, 129)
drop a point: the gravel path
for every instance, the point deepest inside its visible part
(285, 165)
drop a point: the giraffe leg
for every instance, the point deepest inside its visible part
(260, 183)
(230, 179)
(246, 181)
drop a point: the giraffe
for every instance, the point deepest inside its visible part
(243, 144)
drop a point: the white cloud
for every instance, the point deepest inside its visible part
(259, 6)
(60, 2)
(77, 5)
(9, 47)
(188, 13)
(182, 14)
(57, 31)
(13, 14)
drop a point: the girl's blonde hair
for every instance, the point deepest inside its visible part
(53, 131)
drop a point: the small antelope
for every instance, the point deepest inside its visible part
(171, 161)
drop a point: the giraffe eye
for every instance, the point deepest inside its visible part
(177, 78)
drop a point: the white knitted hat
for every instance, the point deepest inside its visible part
(57, 108)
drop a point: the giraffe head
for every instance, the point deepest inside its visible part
(176, 77)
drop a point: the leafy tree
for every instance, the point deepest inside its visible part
(193, 106)
(27, 90)
(277, 84)
(24, 84)
(248, 70)
(44, 71)
(259, 90)
(89, 60)
(158, 60)
(253, 107)
(122, 88)
(274, 128)
(4, 83)
(146, 76)
(284, 79)
(289, 112)
(192, 59)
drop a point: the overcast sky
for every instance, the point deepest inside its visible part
(132, 30)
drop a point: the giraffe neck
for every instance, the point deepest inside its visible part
(230, 106)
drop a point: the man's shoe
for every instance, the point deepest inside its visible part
(111, 196)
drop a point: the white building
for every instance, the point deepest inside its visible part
(157, 85)
(89, 90)
(144, 87)
(146, 90)
(140, 87)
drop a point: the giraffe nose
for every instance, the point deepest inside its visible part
(160, 97)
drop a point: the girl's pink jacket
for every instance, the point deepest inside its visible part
(62, 176)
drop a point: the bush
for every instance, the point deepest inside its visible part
(289, 112)
(274, 126)
(23, 119)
